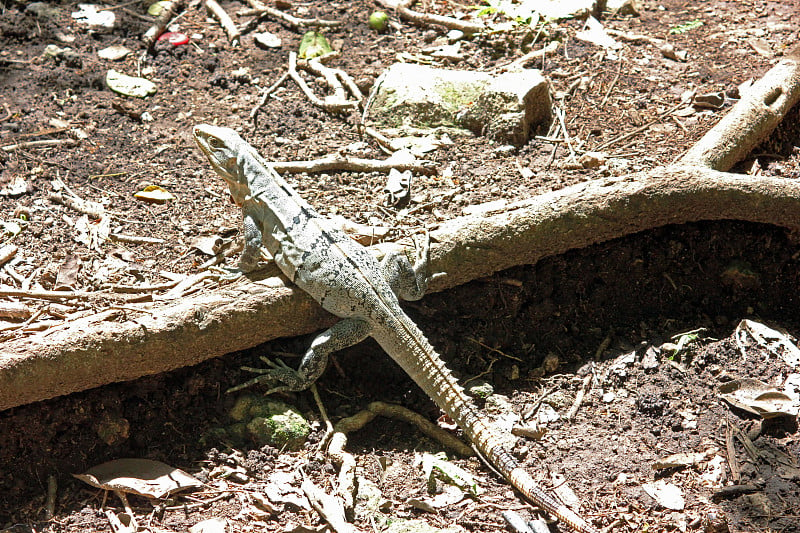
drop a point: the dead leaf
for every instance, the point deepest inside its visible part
(92, 233)
(209, 244)
(121, 522)
(154, 194)
(212, 525)
(361, 233)
(761, 46)
(595, 33)
(563, 490)
(666, 494)
(758, 398)
(152, 479)
(328, 506)
(668, 51)
(16, 186)
(261, 501)
(791, 387)
(67, 276)
(709, 100)
(280, 490)
(679, 460)
(775, 341)
(450, 495)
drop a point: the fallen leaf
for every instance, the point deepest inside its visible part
(761, 46)
(758, 398)
(666, 494)
(450, 495)
(436, 466)
(16, 186)
(212, 525)
(679, 460)
(129, 85)
(67, 276)
(313, 44)
(208, 244)
(152, 479)
(114, 52)
(775, 341)
(154, 194)
(596, 34)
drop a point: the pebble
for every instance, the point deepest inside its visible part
(267, 40)
(455, 35)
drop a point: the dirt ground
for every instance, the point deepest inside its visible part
(582, 310)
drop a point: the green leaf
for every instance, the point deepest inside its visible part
(683, 28)
(313, 44)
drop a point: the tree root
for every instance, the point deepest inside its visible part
(117, 346)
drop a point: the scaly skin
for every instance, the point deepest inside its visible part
(350, 283)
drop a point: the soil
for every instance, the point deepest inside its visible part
(532, 332)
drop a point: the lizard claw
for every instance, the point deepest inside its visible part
(279, 372)
(227, 274)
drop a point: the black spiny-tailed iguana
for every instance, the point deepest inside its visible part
(350, 283)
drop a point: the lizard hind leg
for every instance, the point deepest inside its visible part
(346, 332)
(408, 282)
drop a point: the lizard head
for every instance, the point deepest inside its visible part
(221, 147)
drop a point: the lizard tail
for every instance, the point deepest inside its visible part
(408, 346)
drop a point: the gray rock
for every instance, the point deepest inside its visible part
(43, 10)
(509, 106)
(623, 7)
(504, 108)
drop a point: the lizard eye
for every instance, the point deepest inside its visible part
(215, 143)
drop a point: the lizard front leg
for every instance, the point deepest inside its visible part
(344, 333)
(252, 242)
(252, 249)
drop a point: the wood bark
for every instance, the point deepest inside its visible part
(123, 344)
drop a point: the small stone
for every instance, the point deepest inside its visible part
(481, 389)
(53, 50)
(455, 35)
(623, 7)
(592, 159)
(551, 363)
(113, 53)
(43, 10)
(267, 40)
(93, 17)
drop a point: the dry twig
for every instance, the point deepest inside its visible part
(733, 462)
(160, 24)
(533, 55)
(403, 9)
(354, 164)
(265, 96)
(397, 412)
(327, 105)
(576, 405)
(46, 143)
(7, 252)
(327, 506)
(640, 129)
(315, 66)
(135, 239)
(291, 20)
(139, 289)
(92, 209)
(15, 310)
(225, 20)
(52, 295)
